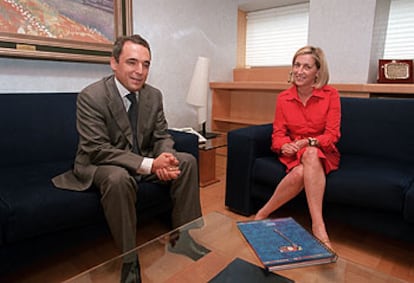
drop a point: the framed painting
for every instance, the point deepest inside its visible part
(75, 30)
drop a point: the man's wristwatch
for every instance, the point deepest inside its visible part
(312, 142)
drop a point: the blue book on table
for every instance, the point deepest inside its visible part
(282, 243)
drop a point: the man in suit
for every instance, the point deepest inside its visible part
(114, 158)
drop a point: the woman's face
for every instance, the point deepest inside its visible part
(304, 70)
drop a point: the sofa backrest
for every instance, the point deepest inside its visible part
(382, 127)
(37, 127)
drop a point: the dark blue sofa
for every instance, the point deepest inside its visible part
(38, 141)
(374, 186)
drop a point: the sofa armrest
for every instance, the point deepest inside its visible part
(244, 146)
(185, 142)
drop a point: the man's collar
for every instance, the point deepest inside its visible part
(121, 89)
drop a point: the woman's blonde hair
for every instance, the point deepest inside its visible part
(320, 62)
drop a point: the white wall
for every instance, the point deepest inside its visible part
(349, 33)
(178, 31)
(181, 30)
(20, 75)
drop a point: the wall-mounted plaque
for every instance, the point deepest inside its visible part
(395, 71)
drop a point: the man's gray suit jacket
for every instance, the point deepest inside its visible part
(105, 135)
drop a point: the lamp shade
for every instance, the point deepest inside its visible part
(198, 91)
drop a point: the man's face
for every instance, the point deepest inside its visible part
(133, 66)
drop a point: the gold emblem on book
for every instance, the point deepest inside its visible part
(288, 248)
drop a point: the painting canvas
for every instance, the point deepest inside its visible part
(80, 30)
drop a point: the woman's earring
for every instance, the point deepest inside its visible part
(290, 78)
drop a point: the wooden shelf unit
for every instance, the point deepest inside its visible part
(376, 90)
(243, 103)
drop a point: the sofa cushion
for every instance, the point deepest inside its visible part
(30, 205)
(44, 131)
(35, 206)
(370, 182)
(268, 171)
(361, 181)
(370, 128)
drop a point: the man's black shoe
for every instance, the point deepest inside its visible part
(131, 272)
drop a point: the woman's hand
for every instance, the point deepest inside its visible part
(291, 148)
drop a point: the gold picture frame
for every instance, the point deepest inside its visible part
(20, 44)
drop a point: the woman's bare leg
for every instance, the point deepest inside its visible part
(290, 186)
(315, 182)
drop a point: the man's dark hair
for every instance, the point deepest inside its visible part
(120, 41)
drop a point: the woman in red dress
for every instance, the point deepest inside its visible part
(305, 130)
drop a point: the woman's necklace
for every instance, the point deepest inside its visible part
(304, 95)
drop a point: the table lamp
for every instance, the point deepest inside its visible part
(198, 93)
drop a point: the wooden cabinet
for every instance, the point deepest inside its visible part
(207, 159)
(240, 104)
(376, 90)
(243, 103)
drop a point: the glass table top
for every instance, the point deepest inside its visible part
(199, 250)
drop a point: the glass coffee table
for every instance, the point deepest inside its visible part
(198, 251)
